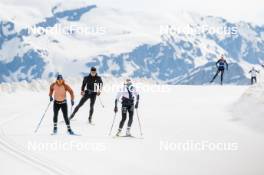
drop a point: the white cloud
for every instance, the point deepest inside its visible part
(236, 10)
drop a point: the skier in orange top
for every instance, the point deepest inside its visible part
(59, 89)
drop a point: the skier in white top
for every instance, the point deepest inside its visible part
(253, 72)
(127, 94)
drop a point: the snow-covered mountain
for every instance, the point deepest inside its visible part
(73, 36)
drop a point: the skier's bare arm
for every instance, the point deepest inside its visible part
(69, 89)
(51, 89)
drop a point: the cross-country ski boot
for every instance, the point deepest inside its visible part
(118, 132)
(55, 129)
(90, 121)
(128, 134)
(70, 130)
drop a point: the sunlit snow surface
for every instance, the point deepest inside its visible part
(180, 114)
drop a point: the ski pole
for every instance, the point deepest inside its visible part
(36, 130)
(139, 123)
(112, 125)
(101, 102)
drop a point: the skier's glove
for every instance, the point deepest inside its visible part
(116, 109)
(51, 98)
(72, 102)
(136, 106)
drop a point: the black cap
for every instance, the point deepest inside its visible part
(93, 69)
(59, 77)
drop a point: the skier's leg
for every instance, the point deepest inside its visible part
(130, 121)
(64, 109)
(222, 75)
(56, 108)
(121, 124)
(82, 101)
(124, 116)
(255, 79)
(252, 80)
(131, 114)
(217, 72)
(92, 102)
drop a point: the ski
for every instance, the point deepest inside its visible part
(70, 134)
(74, 134)
(125, 136)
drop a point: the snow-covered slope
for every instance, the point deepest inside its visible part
(248, 110)
(184, 115)
(120, 42)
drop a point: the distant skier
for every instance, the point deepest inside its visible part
(59, 89)
(91, 87)
(253, 72)
(127, 93)
(220, 64)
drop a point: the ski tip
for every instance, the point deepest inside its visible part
(74, 134)
(125, 136)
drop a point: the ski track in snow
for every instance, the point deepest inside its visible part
(187, 112)
(21, 153)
